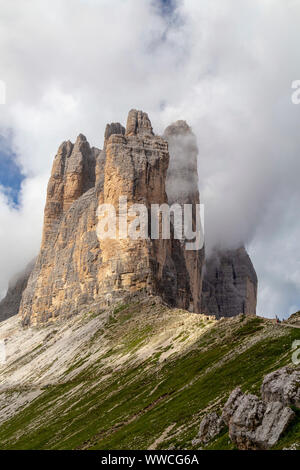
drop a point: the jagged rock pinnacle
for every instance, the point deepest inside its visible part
(178, 128)
(111, 129)
(138, 123)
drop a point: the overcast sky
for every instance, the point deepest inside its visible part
(71, 66)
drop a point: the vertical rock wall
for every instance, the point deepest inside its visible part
(229, 285)
(182, 188)
(78, 271)
(74, 270)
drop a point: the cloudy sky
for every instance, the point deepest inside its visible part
(226, 67)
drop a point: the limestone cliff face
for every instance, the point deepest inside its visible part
(135, 167)
(229, 284)
(77, 271)
(73, 173)
(74, 270)
(60, 281)
(182, 188)
(64, 279)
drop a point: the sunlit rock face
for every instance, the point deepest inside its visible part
(77, 271)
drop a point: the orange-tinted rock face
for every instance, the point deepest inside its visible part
(135, 168)
(73, 173)
(77, 270)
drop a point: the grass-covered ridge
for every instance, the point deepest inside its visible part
(141, 377)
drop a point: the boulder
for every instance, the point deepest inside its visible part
(253, 423)
(276, 419)
(210, 426)
(232, 404)
(282, 385)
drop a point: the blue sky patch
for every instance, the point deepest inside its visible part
(167, 6)
(10, 174)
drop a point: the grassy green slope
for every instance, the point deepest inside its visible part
(142, 394)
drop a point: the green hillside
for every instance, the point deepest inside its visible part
(145, 377)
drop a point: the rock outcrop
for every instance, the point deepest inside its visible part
(182, 188)
(10, 305)
(75, 269)
(255, 423)
(210, 427)
(229, 284)
(282, 385)
(73, 173)
(135, 168)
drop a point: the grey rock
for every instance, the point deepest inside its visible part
(232, 404)
(182, 188)
(210, 426)
(182, 177)
(246, 418)
(229, 284)
(253, 423)
(10, 305)
(276, 419)
(196, 441)
(282, 385)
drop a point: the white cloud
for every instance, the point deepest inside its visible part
(20, 230)
(225, 67)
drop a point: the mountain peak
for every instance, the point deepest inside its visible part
(138, 123)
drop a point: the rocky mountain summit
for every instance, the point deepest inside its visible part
(76, 272)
